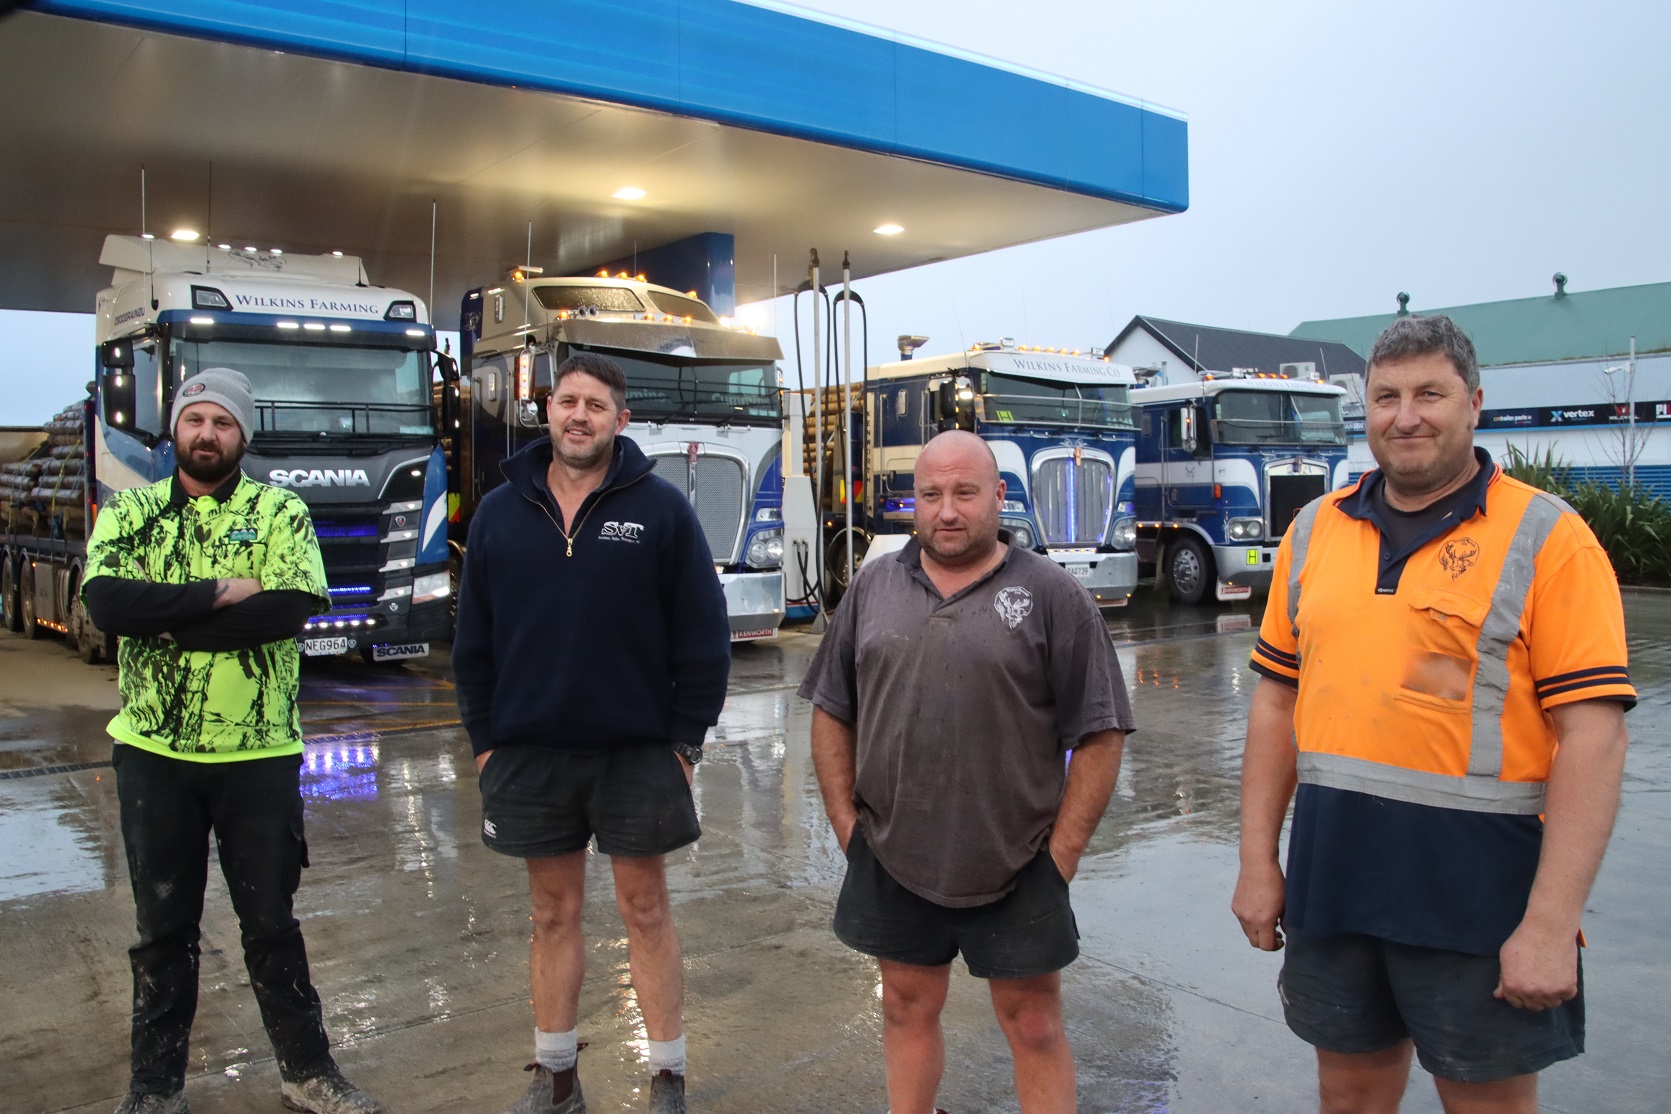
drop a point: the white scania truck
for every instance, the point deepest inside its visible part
(343, 374)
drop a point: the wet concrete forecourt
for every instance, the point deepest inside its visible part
(418, 935)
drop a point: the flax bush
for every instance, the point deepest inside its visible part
(1631, 523)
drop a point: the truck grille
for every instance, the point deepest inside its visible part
(349, 542)
(1073, 500)
(1288, 495)
(714, 485)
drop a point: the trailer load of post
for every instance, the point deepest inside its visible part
(45, 510)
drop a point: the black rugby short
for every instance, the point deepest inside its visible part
(538, 803)
(1355, 994)
(1026, 933)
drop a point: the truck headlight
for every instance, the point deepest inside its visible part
(1124, 534)
(435, 586)
(1245, 529)
(1021, 533)
(765, 550)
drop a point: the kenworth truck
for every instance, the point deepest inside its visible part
(1223, 466)
(705, 402)
(341, 372)
(1060, 424)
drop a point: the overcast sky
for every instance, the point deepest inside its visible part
(1339, 153)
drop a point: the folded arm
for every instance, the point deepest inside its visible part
(145, 609)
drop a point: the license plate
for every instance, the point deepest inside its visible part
(1081, 572)
(324, 647)
(395, 653)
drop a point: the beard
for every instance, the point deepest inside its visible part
(210, 469)
(584, 459)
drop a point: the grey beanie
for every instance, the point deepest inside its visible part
(225, 388)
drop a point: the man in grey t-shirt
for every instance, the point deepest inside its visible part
(955, 677)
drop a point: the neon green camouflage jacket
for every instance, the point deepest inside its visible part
(196, 704)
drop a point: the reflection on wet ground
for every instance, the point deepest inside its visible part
(418, 935)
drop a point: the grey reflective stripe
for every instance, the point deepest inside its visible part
(1502, 624)
(1299, 540)
(1470, 794)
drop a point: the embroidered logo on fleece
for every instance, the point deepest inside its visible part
(1013, 604)
(621, 532)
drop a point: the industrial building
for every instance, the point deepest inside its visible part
(1582, 374)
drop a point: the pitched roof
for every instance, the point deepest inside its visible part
(1586, 324)
(1205, 348)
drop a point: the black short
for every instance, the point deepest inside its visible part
(1355, 994)
(1026, 933)
(537, 803)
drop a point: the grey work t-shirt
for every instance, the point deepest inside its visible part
(963, 709)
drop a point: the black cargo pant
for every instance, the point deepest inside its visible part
(254, 808)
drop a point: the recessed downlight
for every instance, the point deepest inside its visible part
(628, 193)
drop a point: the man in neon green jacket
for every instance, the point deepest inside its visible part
(208, 577)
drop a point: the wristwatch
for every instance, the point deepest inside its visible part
(690, 752)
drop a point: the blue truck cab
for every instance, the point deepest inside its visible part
(1061, 426)
(1223, 466)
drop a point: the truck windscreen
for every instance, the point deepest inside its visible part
(1013, 400)
(323, 390)
(1277, 418)
(660, 391)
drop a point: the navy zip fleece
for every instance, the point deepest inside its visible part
(626, 641)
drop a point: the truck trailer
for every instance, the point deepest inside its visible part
(703, 394)
(342, 374)
(45, 512)
(1224, 464)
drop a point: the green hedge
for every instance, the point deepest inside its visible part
(1633, 525)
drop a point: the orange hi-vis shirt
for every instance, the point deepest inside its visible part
(1437, 692)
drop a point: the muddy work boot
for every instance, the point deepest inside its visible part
(551, 1092)
(667, 1093)
(140, 1103)
(328, 1093)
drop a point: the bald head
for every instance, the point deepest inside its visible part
(957, 448)
(958, 496)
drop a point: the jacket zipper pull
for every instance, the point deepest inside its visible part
(570, 552)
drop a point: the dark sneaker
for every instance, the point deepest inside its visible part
(138, 1103)
(328, 1093)
(551, 1092)
(667, 1093)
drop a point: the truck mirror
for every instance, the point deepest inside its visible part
(945, 401)
(116, 354)
(1187, 433)
(119, 395)
(447, 366)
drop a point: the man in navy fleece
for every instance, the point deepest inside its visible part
(591, 658)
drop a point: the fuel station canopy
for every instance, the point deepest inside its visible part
(746, 132)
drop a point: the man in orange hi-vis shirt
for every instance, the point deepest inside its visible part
(1442, 694)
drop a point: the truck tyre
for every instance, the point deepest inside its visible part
(92, 645)
(835, 564)
(9, 596)
(26, 588)
(1190, 570)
